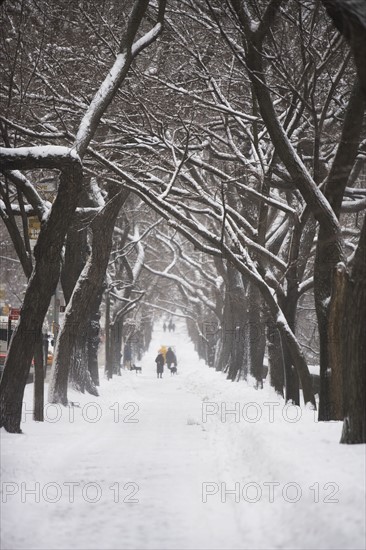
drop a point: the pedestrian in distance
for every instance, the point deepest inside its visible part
(160, 364)
(163, 351)
(164, 327)
(171, 361)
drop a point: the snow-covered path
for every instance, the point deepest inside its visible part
(130, 469)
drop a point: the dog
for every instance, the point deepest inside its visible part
(173, 370)
(136, 368)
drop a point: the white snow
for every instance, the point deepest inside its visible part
(173, 444)
(39, 151)
(107, 87)
(146, 39)
(314, 369)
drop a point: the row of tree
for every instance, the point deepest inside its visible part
(224, 169)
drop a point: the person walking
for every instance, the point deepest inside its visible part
(171, 359)
(163, 351)
(160, 364)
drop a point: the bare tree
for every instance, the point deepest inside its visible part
(49, 245)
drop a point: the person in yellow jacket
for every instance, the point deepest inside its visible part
(163, 351)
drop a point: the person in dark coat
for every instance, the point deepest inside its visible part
(160, 364)
(171, 359)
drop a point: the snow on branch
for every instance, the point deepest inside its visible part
(214, 106)
(147, 39)
(32, 133)
(138, 265)
(40, 206)
(195, 293)
(41, 156)
(100, 101)
(16, 210)
(116, 75)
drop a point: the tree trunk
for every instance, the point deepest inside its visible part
(301, 242)
(148, 327)
(107, 330)
(349, 18)
(92, 350)
(335, 341)
(116, 346)
(354, 425)
(233, 324)
(329, 255)
(38, 387)
(227, 332)
(79, 375)
(94, 339)
(256, 336)
(40, 289)
(292, 389)
(24, 254)
(275, 357)
(75, 259)
(219, 350)
(80, 307)
(330, 242)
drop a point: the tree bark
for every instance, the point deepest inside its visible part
(289, 307)
(354, 425)
(329, 254)
(42, 283)
(38, 388)
(108, 362)
(256, 335)
(93, 340)
(275, 357)
(233, 324)
(80, 307)
(301, 243)
(116, 346)
(350, 20)
(75, 259)
(335, 336)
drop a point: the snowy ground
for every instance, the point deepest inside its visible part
(147, 464)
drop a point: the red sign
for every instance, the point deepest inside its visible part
(14, 313)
